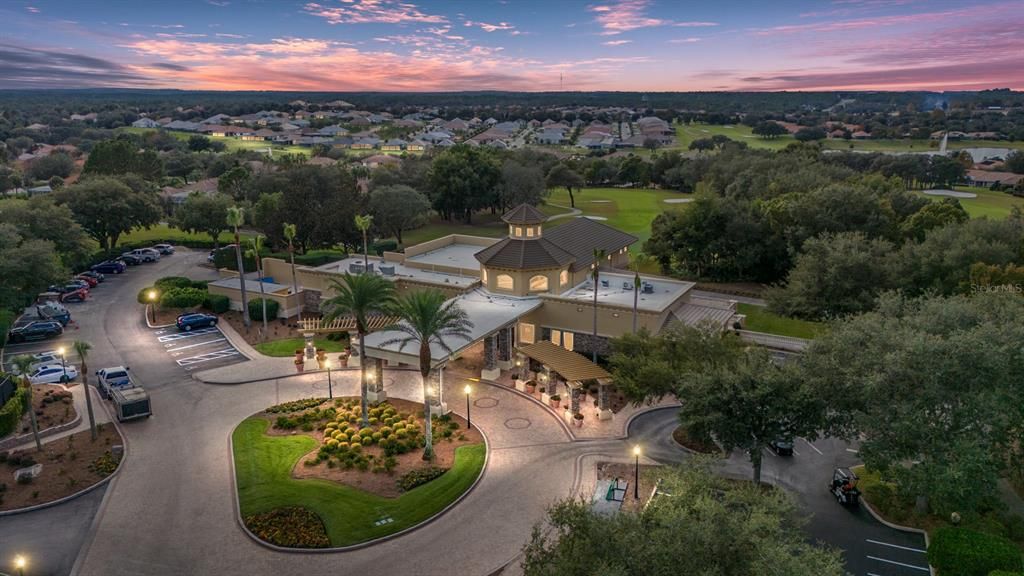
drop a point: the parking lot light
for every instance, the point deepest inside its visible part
(20, 563)
(636, 473)
(151, 296)
(469, 389)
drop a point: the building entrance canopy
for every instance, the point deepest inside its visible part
(568, 364)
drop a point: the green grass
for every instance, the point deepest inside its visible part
(231, 143)
(263, 467)
(686, 133)
(759, 319)
(995, 205)
(166, 233)
(628, 209)
(288, 346)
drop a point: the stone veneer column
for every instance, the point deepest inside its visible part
(603, 402)
(491, 370)
(504, 337)
(574, 400)
(375, 387)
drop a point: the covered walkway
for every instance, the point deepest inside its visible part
(556, 367)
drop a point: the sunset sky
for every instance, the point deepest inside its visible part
(427, 45)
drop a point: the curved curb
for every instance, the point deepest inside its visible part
(360, 545)
(84, 491)
(874, 513)
(145, 314)
(198, 378)
(46, 432)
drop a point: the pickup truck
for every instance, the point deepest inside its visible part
(113, 378)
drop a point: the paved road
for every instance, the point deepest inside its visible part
(871, 548)
(171, 510)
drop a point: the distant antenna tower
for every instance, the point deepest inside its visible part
(561, 87)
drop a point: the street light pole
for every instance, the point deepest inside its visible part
(469, 423)
(19, 563)
(330, 388)
(636, 473)
(64, 366)
(152, 304)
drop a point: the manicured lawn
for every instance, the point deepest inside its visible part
(628, 209)
(759, 319)
(231, 143)
(991, 204)
(163, 232)
(686, 133)
(263, 467)
(288, 346)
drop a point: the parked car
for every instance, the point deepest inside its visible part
(53, 374)
(89, 282)
(78, 295)
(131, 260)
(94, 275)
(40, 359)
(781, 446)
(213, 253)
(144, 254)
(164, 249)
(53, 311)
(109, 267)
(187, 322)
(39, 330)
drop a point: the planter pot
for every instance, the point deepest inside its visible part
(343, 361)
(299, 367)
(321, 363)
(531, 388)
(577, 422)
(555, 403)
(521, 385)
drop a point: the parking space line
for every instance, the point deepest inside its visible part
(217, 355)
(795, 451)
(768, 452)
(898, 563)
(196, 344)
(813, 447)
(184, 335)
(853, 451)
(896, 546)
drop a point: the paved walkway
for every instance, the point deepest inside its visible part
(78, 398)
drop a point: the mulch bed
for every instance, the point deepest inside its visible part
(53, 407)
(382, 483)
(613, 470)
(699, 446)
(70, 464)
(277, 329)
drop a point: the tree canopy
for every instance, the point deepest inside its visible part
(398, 208)
(108, 207)
(204, 214)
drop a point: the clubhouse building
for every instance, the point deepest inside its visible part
(530, 297)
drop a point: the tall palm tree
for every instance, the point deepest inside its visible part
(599, 256)
(427, 319)
(23, 364)
(82, 349)
(638, 261)
(360, 296)
(363, 223)
(289, 235)
(236, 218)
(256, 246)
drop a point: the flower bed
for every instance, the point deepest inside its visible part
(291, 527)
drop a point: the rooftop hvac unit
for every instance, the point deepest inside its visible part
(387, 269)
(355, 268)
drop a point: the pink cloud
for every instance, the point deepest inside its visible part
(961, 76)
(694, 24)
(616, 42)
(491, 27)
(623, 16)
(864, 23)
(32, 9)
(372, 11)
(690, 40)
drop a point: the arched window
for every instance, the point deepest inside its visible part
(539, 283)
(505, 282)
(563, 278)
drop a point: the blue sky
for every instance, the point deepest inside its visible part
(646, 45)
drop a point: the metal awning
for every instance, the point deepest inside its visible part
(570, 365)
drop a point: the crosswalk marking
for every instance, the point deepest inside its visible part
(184, 335)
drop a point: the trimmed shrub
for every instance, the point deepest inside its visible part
(10, 414)
(6, 320)
(217, 303)
(964, 552)
(182, 298)
(382, 246)
(167, 282)
(292, 527)
(418, 477)
(256, 309)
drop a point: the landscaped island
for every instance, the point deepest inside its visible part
(311, 476)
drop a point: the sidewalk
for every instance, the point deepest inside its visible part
(259, 366)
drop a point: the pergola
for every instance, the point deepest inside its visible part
(573, 369)
(345, 324)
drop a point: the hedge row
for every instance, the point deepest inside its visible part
(965, 552)
(182, 298)
(217, 303)
(228, 259)
(256, 309)
(10, 414)
(6, 321)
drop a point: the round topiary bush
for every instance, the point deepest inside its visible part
(170, 282)
(377, 436)
(366, 433)
(356, 447)
(342, 446)
(182, 298)
(332, 443)
(401, 434)
(256, 309)
(373, 420)
(368, 441)
(217, 303)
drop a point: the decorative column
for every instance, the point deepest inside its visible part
(491, 370)
(574, 399)
(504, 337)
(375, 381)
(604, 409)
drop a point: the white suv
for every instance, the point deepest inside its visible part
(144, 254)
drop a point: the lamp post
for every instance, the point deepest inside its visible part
(64, 366)
(330, 388)
(469, 423)
(20, 563)
(636, 473)
(152, 303)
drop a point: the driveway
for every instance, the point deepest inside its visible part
(870, 548)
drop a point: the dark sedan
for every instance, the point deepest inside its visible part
(109, 267)
(36, 331)
(187, 322)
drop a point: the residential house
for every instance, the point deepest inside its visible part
(988, 178)
(378, 160)
(394, 145)
(145, 123)
(90, 117)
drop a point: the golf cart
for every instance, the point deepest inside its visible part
(844, 487)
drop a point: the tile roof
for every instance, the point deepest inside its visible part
(535, 254)
(524, 214)
(582, 235)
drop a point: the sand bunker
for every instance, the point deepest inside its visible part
(677, 200)
(951, 193)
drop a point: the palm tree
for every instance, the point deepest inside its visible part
(289, 235)
(360, 296)
(82, 349)
(257, 247)
(427, 319)
(599, 255)
(363, 223)
(638, 261)
(236, 218)
(23, 364)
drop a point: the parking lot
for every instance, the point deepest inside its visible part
(199, 349)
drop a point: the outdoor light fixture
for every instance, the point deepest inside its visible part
(152, 305)
(468, 390)
(20, 563)
(636, 473)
